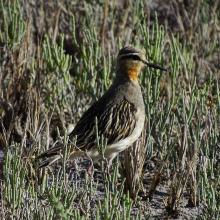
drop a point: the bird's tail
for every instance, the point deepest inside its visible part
(51, 155)
(57, 152)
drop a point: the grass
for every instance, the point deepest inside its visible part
(53, 69)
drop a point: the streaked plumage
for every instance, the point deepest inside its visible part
(118, 115)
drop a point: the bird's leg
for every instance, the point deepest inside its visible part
(107, 175)
(90, 169)
(108, 165)
(75, 165)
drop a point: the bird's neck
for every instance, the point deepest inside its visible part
(132, 73)
(129, 72)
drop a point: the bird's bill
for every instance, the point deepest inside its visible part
(152, 65)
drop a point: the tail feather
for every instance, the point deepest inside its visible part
(50, 156)
(48, 161)
(55, 153)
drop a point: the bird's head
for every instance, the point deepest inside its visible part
(130, 61)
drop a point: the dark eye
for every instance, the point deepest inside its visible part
(134, 57)
(131, 57)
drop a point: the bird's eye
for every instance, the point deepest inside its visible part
(135, 57)
(131, 57)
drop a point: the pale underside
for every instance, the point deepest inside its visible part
(113, 150)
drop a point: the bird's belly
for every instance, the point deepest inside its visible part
(125, 143)
(120, 146)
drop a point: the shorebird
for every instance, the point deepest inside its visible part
(118, 116)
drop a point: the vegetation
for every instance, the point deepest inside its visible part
(56, 58)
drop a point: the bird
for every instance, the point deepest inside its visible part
(118, 116)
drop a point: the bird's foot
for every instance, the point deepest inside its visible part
(90, 170)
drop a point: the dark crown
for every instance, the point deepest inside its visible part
(128, 50)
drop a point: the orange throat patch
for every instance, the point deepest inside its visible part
(133, 73)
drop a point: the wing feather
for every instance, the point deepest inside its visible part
(115, 122)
